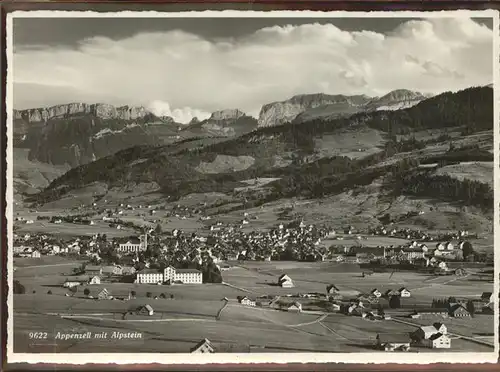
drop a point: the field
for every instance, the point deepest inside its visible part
(479, 171)
(73, 229)
(353, 144)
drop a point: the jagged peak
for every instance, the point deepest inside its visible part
(402, 94)
(227, 114)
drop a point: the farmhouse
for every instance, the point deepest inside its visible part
(403, 292)
(244, 300)
(285, 281)
(376, 293)
(458, 311)
(149, 276)
(331, 289)
(441, 328)
(424, 333)
(393, 341)
(295, 307)
(35, 254)
(437, 341)
(204, 346)
(104, 295)
(186, 276)
(95, 280)
(145, 310)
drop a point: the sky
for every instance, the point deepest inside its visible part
(192, 67)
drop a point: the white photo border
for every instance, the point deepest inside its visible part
(260, 358)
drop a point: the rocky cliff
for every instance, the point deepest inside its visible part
(302, 108)
(99, 110)
(79, 133)
(396, 100)
(226, 123)
(227, 115)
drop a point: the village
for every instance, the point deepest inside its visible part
(154, 259)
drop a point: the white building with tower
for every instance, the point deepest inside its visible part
(134, 245)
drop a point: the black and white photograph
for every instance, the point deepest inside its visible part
(315, 185)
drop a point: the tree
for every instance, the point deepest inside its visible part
(86, 292)
(470, 308)
(171, 296)
(467, 249)
(49, 292)
(34, 291)
(149, 294)
(163, 295)
(133, 293)
(395, 302)
(19, 288)
(158, 229)
(74, 289)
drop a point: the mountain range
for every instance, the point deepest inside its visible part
(282, 151)
(79, 133)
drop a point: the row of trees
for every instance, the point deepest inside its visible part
(425, 184)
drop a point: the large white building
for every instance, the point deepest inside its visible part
(147, 276)
(134, 245)
(186, 276)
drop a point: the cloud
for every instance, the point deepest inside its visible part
(183, 115)
(197, 76)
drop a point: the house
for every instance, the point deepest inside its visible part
(295, 307)
(112, 270)
(93, 270)
(103, 295)
(186, 276)
(285, 281)
(35, 254)
(128, 270)
(440, 247)
(74, 282)
(441, 328)
(204, 346)
(331, 289)
(393, 341)
(335, 307)
(424, 333)
(403, 292)
(458, 311)
(487, 297)
(438, 341)
(391, 292)
(244, 300)
(376, 293)
(149, 276)
(145, 310)
(95, 280)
